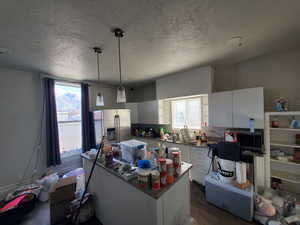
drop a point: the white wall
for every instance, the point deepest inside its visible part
(20, 116)
(278, 73)
(140, 93)
(191, 82)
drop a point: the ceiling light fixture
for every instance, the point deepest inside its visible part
(121, 94)
(99, 98)
(236, 42)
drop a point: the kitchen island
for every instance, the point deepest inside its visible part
(122, 202)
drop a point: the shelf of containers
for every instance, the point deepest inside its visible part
(283, 139)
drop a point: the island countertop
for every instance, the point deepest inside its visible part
(185, 167)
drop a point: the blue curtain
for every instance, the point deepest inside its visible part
(53, 154)
(88, 140)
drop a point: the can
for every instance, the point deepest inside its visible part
(143, 176)
(155, 180)
(176, 163)
(176, 158)
(162, 166)
(177, 170)
(170, 171)
(163, 179)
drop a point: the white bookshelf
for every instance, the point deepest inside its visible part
(284, 129)
(283, 139)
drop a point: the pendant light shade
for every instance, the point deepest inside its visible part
(121, 93)
(99, 98)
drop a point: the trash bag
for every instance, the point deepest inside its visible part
(14, 210)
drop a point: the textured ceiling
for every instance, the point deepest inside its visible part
(162, 36)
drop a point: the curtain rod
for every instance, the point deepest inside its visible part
(70, 80)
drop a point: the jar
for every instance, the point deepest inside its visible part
(143, 177)
(155, 180)
(170, 171)
(275, 123)
(173, 149)
(176, 158)
(162, 166)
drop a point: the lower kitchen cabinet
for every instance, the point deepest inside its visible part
(201, 163)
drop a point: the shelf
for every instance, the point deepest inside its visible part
(285, 162)
(288, 113)
(285, 129)
(285, 145)
(289, 177)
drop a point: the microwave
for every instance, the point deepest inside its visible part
(250, 142)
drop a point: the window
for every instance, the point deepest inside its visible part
(190, 112)
(68, 107)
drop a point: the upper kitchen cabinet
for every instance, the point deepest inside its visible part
(133, 107)
(235, 108)
(148, 112)
(153, 112)
(248, 103)
(220, 109)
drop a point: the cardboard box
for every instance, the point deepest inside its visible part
(59, 212)
(64, 190)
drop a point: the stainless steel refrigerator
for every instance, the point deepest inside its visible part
(113, 123)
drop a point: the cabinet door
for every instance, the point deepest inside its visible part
(148, 112)
(220, 109)
(133, 107)
(196, 160)
(248, 103)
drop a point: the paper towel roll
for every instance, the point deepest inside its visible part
(241, 172)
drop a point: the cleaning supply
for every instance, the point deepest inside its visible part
(162, 167)
(176, 163)
(170, 171)
(155, 175)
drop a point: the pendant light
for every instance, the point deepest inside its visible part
(99, 98)
(121, 94)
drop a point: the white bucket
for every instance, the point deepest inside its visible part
(226, 170)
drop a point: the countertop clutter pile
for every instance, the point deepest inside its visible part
(152, 168)
(63, 194)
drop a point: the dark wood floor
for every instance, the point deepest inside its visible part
(203, 213)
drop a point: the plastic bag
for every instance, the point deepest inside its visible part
(264, 206)
(48, 183)
(80, 180)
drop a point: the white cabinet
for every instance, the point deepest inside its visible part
(220, 108)
(148, 112)
(133, 107)
(235, 108)
(201, 163)
(248, 103)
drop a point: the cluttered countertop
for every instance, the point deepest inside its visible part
(199, 138)
(211, 140)
(154, 182)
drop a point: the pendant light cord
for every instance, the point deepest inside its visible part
(120, 69)
(98, 67)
